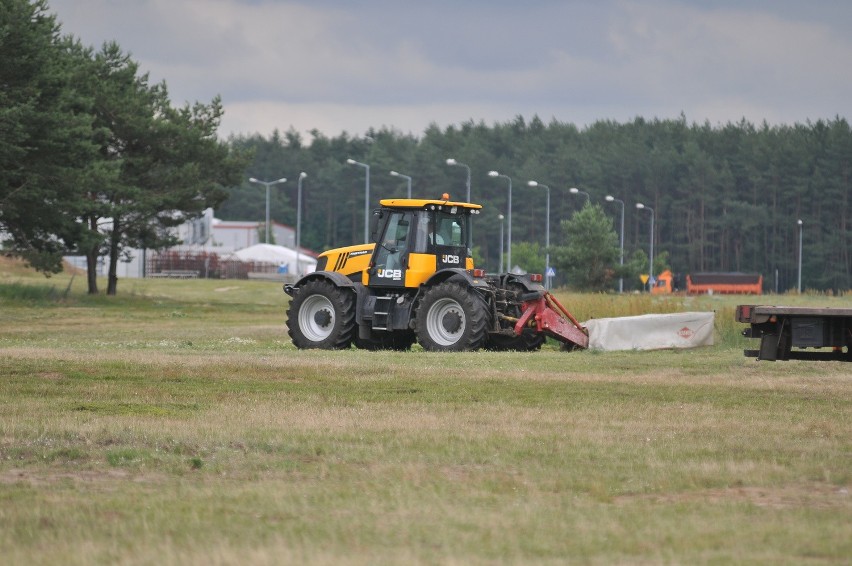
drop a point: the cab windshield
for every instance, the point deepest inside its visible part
(394, 245)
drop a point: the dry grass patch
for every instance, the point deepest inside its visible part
(796, 496)
(179, 425)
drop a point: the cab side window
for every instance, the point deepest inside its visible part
(438, 228)
(449, 231)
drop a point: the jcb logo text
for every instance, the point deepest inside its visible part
(389, 273)
(450, 258)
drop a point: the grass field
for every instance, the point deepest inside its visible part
(176, 424)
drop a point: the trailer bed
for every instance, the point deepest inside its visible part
(816, 333)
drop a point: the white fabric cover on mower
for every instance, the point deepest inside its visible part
(651, 331)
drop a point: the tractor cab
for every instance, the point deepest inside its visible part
(414, 238)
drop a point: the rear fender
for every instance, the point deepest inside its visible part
(456, 274)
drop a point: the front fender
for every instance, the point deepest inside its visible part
(334, 277)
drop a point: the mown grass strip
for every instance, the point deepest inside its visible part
(177, 425)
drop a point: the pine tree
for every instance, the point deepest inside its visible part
(45, 136)
(590, 253)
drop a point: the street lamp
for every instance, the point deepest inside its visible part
(366, 198)
(302, 175)
(546, 234)
(801, 228)
(610, 198)
(500, 217)
(406, 177)
(640, 206)
(267, 184)
(452, 161)
(576, 191)
(509, 237)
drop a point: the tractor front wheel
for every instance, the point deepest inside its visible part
(322, 315)
(452, 317)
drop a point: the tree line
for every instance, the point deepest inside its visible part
(95, 161)
(724, 197)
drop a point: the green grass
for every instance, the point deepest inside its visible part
(176, 424)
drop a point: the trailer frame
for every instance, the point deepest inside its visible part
(780, 329)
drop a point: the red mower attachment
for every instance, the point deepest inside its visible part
(546, 314)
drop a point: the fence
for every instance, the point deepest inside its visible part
(206, 265)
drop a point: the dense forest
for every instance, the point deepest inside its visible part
(96, 161)
(725, 198)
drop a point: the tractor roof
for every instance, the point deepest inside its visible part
(422, 204)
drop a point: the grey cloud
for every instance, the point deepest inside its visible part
(434, 61)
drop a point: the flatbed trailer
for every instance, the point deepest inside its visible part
(780, 329)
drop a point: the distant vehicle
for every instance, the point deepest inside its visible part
(807, 329)
(733, 283)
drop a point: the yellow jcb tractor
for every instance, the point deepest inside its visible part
(417, 282)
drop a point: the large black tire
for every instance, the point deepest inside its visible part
(322, 316)
(452, 317)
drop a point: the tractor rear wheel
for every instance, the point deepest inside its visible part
(322, 315)
(452, 317)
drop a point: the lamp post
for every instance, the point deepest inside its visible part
(366, 198)
(452, 161)
(546, 234)
(509, 236)
(302, 175)
(576, 191)
(640, 206)
(267, 184)
(801, 228)
(406, 177)
(610, 198)
(500, 217)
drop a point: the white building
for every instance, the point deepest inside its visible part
(233, 235)
(207, 234)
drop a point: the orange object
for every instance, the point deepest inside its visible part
(724, 284)
(663, 283)
(710, 283)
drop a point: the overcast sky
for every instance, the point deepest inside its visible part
(338, 65)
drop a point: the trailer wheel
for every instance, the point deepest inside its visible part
(322, 316)
(452, 317)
